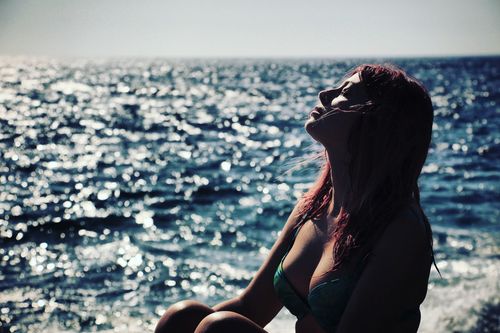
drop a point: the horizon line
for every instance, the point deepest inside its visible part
(253, 57)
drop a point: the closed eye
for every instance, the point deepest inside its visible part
(345, 92)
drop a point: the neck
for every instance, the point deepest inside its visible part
(341, 184)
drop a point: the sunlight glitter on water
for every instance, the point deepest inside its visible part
(126, 186)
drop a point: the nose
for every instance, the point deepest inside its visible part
(326, 96)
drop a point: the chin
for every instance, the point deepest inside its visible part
(313, 128)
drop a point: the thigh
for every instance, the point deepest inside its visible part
(183, 317)
(228, 322)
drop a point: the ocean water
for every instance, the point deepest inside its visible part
(128, 185)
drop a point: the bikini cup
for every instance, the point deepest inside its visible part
(326, 301)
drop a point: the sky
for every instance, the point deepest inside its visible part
(249, 28)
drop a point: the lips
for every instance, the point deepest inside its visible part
(317, 112)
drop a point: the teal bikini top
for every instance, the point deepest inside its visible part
(326, 301)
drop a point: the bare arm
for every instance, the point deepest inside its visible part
(394, 280)
(259, 301)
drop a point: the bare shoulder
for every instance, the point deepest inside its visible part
(394, 279)
(405, 234)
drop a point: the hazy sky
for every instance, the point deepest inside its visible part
(249, 28)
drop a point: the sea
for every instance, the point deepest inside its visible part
(127, 185)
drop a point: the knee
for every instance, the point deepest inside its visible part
(182, 316)
(221, 321)
(187, 306)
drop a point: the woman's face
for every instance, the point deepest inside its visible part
(330, 122)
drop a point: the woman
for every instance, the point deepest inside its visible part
(356, 251)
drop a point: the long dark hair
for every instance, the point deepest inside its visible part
(388, 148)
